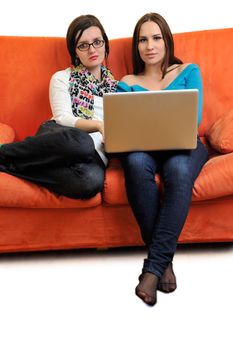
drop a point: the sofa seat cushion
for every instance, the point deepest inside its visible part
(114, 187)
(214, 181)
(19, 193)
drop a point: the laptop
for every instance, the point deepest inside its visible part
(150, 120)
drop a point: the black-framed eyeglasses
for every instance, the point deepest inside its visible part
(86, 46)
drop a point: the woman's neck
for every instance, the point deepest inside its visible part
(152, 79)
(156, 72)
(153, 72)
(96, 72)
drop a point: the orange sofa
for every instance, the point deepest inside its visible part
(32, 218)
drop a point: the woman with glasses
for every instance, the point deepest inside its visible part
(66, 155)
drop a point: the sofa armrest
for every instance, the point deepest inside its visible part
(7, 133)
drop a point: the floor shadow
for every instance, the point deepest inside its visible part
(116, 252)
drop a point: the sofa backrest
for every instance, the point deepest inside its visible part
(27, 64)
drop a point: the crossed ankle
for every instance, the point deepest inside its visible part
(167, 283)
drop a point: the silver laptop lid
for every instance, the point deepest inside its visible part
(150, 120)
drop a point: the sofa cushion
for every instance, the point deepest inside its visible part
(19, 193)
(7, 133)
(220, 135)
(114, 187)
(215, 179)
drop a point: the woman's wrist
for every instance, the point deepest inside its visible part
(89, 125)
(99, 125)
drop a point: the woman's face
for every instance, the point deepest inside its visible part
(91, 57)
(151, 45)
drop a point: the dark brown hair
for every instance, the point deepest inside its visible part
(80, 24)
(169, 59)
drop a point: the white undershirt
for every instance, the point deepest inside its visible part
(60, 102)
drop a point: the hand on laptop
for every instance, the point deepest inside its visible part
(101, 128)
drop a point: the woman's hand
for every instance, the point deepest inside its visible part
(101, 128)
(90, 126)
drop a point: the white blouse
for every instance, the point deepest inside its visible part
(60, 103)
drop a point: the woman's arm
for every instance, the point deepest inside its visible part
(89, 125)
(194, 81)
(60, 103)
(59, 98)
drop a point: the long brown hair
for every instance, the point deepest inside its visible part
(169, 58)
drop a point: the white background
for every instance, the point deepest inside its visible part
(85, 300)
(52, 17)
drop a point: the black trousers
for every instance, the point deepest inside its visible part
(62, 159)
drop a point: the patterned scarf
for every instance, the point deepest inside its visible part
(83, 86)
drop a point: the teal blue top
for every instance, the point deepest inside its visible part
(189, 78)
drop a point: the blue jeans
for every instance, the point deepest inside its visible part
(161, 216)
